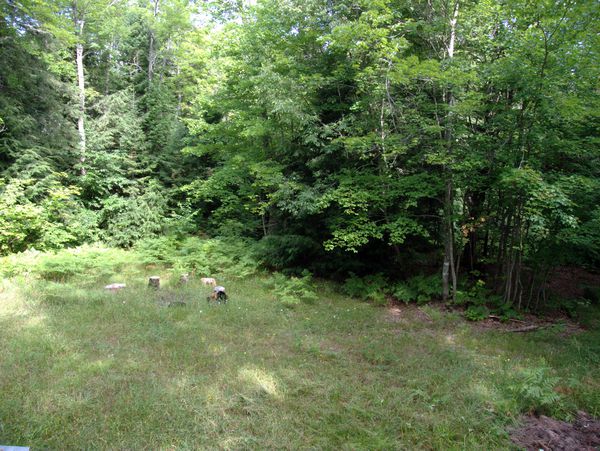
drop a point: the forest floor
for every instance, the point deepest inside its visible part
(84, 368)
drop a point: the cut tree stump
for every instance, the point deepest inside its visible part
(154, 282)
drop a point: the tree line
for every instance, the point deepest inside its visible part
(457, 137)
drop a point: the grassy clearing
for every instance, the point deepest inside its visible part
(84, 368)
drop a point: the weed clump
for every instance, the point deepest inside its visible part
(534, 391)
(372, 288)
(292, 291)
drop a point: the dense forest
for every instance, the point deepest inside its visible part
(453, 139)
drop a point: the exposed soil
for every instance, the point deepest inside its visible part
(548, 434)
(399, 313)
(406, 312)
(530, 323)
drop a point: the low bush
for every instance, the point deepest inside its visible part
(481, 302)
(84, 262)
(201, 256)
(292, 253)
(291, 291)
(96, 262)
(371, 288)
(477, 312)
(534, 389)
(421, 289)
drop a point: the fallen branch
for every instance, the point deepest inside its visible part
(527, 329)
(509, 319)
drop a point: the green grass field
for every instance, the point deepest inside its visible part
(88, 369)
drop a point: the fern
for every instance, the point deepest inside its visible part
(534, 390)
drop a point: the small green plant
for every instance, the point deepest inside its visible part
(534, 390)
(477, 312)
(474, 294)
(370, 288)
(403, 292)
(421, 289)
(293, 290)
(506, 311)
(426, 287)
(573, 307)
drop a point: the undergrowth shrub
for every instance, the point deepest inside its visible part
(85, 262)
(156, 250)
(534, 389)
(126, 220)
(199, 256)
(371, 288)
(288, 253)
(481, 302)
(477, 312)
(291, 291)
(420, 289)
(18, 264)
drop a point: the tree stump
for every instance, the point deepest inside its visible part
(154, 282)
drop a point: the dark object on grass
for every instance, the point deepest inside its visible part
(154, 282)
(218, 295)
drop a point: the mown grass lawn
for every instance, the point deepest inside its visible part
(88, 369)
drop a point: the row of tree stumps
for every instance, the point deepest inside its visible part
(154, 281)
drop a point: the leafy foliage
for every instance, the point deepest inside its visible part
(82, 263)
(292, 291)
(421, 289)
(203, 257)
(371, 288)
(534, 390)
(477, 312)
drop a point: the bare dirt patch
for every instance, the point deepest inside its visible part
(548, 434)
(530, 323)
(397, 313)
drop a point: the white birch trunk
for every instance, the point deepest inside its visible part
(81, 85)
(151, 50)
(449, 269)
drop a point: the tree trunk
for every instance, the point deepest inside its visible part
(448, 269)
(154, 282)
(151, 49)
(81, 85)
